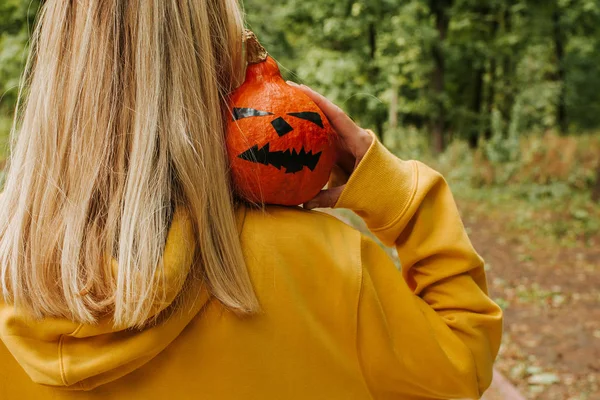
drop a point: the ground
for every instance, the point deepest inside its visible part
(551, 294)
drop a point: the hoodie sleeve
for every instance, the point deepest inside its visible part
(429, 331)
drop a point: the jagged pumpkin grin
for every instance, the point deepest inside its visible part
(291, 159)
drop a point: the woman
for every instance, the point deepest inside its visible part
(127, 271)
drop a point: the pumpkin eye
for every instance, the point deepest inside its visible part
(313, 117)
(239, 113)
(281, 126)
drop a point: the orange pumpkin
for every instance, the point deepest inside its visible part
(280, 144)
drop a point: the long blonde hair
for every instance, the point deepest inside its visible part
(121, 120)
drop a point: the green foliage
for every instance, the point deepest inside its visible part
(16, 18)
(583, 82)
(501, 61)
(327, 44)
(5, 124)
(11, 55)
(509, 65)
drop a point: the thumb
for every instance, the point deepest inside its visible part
(325, 199)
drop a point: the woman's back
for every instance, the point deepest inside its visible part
(302, 344)
(338, 319)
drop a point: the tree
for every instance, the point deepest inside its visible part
(441, 14)
(559, 46)
(442, 66)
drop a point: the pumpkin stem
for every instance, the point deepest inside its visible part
(256, 53)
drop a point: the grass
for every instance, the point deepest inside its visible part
(540, 183)
(564, 217)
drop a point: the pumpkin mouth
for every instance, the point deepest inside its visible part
(293, 161)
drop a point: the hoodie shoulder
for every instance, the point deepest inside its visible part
(293, 230)
(310, 254)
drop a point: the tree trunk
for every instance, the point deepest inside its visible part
(508, 72)
(559, 44)
(439, 121)
(491, 101)
(476, 107)
(372, 40)
(439, 9)
(374, 74)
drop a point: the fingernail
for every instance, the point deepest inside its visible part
(292, 83)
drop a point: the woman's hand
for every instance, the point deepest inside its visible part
(354, 142)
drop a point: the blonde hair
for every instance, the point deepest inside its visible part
(121, 121)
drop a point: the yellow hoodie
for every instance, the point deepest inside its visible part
(338, 320)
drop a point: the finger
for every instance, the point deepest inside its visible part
(345, 160)
(325, 199)
(342, 123)
(338, 177)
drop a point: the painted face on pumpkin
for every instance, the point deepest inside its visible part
(291, 160)
(280, 144)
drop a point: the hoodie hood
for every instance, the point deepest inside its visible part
(58, 352)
